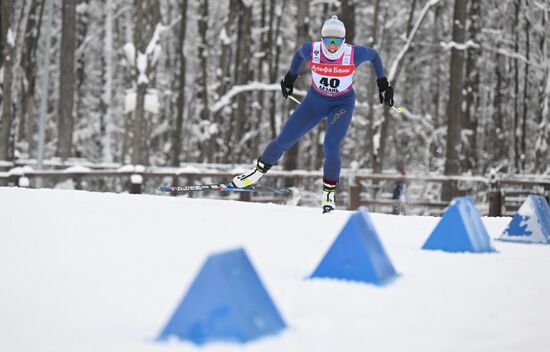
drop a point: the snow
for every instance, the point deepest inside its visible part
(141, 65)
(20, 170)
(24, 182)
(126, 168)
(131, 168)
(130, 52)
(11, 38)
(136, 179)
(151, 102)
(153, 45)
(104, 272)
(459, 46)
(77, 168)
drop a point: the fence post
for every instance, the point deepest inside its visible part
(135, 183)
(354, 193)
(77, 183)
(495, 195)
(245, 196)
(175, 182)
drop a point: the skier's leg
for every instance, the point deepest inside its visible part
(301, 121)
(337, 126)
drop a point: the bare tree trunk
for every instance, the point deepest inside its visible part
(372, 89)
(498, 145)
(525, 91)
(223, 76)
(543, 137)
(83, 75)
(145, 23)
(65, 122)
(347, 15)
(454, 109)
(243, 74)
(386, 123)
(436, 68)
(472, 87)
(302, 34)
(393, 77)
(261, 106)
(8, 51)
(177, 136)
(139, 113)
(107, 76)
(514, 145)
(274, 62)
(28, 62)
(202, 93)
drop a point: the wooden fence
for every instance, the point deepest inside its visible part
(495, 196)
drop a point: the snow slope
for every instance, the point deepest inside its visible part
(85, 271)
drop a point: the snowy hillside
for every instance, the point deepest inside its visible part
(85, 271)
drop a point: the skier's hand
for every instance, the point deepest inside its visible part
(287, 84)
(385, 91)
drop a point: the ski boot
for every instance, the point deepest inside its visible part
(252, 176)
(329, 190)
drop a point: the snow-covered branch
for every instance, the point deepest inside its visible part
(517, 56)
(459, 46)
(252, 86)
(405, 48)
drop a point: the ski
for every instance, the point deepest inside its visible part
(223, 187)
(327, 209)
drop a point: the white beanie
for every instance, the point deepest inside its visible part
(333, 27)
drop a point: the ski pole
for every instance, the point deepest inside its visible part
(294, 99)
(398, 109)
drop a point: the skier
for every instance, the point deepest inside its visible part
(333, 63)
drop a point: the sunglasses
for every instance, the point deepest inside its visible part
(333, 40)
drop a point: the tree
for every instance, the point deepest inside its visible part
(471, 84)
(454, 107)
(7, 37)
(65, 123)
(275, 20)
(146, 55)
(393, 75)
(243, 74)
(107, 99)
(302, 34)
(178, 130)
(141, 86)
(29, 65)
(347, 15)
(202, 86)
(371, 93)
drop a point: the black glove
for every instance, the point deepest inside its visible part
(287, 84)
(385, 91)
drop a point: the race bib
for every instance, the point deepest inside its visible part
(332, 78)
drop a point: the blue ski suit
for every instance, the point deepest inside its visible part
(315, 106)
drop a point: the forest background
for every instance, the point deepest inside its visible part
(168, 82)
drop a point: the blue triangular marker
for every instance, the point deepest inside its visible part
(226, 302)
(357, 253)
(531, 223)
(460, 229)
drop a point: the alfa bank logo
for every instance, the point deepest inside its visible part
(332, 69)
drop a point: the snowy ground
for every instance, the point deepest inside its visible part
(85, 271)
